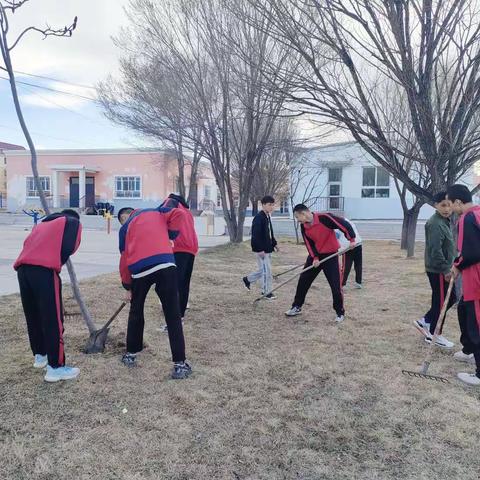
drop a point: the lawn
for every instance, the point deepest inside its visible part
(270, 398)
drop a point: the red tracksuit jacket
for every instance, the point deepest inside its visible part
(144, 240)
(468, 245)
(319, 236)
(187, 241)
(51, 242)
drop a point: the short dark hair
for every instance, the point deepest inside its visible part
(300, 207)
(267, 199)
(440, 197)
(124, 210)
(70, 213)
(459, 192)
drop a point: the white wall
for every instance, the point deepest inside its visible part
(352, 158)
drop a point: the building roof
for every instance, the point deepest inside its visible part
(10, 146)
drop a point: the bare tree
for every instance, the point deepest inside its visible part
(430, 49)
(7, 9)
(304, 182)
(147, 100)
(273, 171)
(215, 61)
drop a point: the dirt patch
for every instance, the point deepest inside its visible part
(270, 398)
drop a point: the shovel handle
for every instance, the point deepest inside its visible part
(114, 316)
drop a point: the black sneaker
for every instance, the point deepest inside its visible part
(129, 360)
(271, 296)
(181, 370)
(246, 283)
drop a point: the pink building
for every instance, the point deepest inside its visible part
(81, 178)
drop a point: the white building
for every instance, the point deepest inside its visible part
(344, 178)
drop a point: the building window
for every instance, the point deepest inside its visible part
(219, 200)
(376, 183)
(284, 206)
(335, 174)
(127, 187)
(32, 191)
(334, 187)
(207, 191)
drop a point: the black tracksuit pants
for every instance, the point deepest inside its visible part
(353, 257)
(331, 270)
(439, 288)
(184, 262)
(166, 287)
(469, 320)
(41, 293)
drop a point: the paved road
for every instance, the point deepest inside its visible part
(98, 254)
(369, 229)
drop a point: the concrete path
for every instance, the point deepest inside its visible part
(98, 254)
(369, 229)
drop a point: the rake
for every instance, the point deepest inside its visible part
(287, 271)
(96, 342)
(428, 359)
(337, 254)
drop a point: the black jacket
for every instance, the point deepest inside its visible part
(262, 233)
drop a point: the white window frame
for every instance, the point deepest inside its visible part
(336, 182)
(47, 193)
(115, 197)
(209, 187)
(375, 187)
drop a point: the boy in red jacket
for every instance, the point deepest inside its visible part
(185, 248)
(147, 259)
(318, 231)
(45, 250)
(468, 265)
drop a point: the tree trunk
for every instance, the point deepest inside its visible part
(73, 279)
(403, 241)
(410, 228)
(181, 171)
(193, 196)
(254, 207)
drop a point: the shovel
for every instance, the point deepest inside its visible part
(428, 359)
(96, 342)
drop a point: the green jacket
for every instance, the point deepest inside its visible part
(440, 250)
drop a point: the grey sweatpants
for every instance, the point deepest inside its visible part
(264, 272)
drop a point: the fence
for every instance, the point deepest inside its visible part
(327, 204)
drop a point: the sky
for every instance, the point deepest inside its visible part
(57, 120)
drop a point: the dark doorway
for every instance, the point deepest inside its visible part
(75, 192)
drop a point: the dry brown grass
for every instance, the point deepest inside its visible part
(271, 397)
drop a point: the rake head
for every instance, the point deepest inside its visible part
(425, 376)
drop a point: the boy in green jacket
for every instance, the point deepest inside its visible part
(440, 253)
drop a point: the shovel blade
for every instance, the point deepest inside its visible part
(96, 342)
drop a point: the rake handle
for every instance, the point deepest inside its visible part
(438, 328)
(336, 254)
(287, 271)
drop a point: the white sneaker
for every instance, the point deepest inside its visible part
(440, 342)
(469, 379)
(358, 285)
(293, 312)
(340, 318)
(463, 357)
(422, 326)
(61, 373)
(41, 361)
